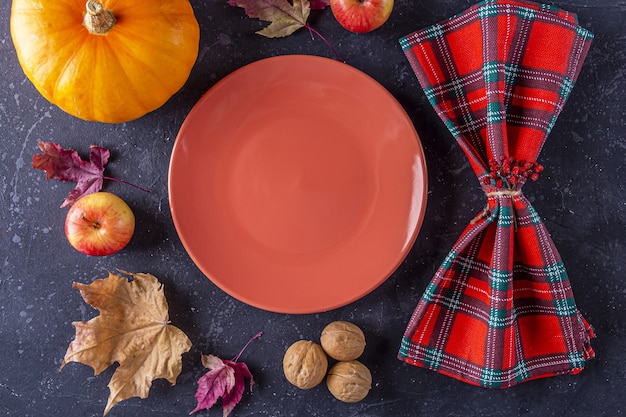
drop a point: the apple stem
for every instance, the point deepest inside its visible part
(256, 336)
(312, 31)
(94, 224)
(126, 182)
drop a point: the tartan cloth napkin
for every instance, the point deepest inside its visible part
(500, 309)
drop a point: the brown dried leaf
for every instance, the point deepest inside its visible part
(285, 16)
(133, 329)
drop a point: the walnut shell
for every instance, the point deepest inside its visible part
(349, 381)
(343, 340)
(305, 364)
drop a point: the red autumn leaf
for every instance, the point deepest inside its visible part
(66, 165)
(214, 384)
(225, 379)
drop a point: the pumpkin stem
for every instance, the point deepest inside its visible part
(97, 20)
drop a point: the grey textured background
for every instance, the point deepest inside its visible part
(581, 197)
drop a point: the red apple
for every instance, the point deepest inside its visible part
(361, 16)
(99, 224)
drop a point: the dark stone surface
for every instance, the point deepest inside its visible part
(581, 198)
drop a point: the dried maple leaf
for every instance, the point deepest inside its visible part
(285, 16)
(133, 329)
(66, 165)
(226, 379)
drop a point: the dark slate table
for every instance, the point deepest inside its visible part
(581, 198)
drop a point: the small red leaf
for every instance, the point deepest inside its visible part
(219, 381)
(225, 379)
(66, 165)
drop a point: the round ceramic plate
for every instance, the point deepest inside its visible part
(297, 184)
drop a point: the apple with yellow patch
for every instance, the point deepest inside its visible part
(99, 224)
(361, 16)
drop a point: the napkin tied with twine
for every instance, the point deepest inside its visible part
(500, 309)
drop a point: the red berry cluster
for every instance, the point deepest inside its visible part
(509, 171)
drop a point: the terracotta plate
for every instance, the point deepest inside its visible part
(297, 184)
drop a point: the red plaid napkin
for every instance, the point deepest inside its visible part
(500, 309)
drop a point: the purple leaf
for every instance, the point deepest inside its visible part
(65, 165)
(226, 379)
(214, 384)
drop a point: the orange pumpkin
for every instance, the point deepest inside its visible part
(109, 60)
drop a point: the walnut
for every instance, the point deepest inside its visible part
(343, 340)
(349, 381)
(305, 364)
